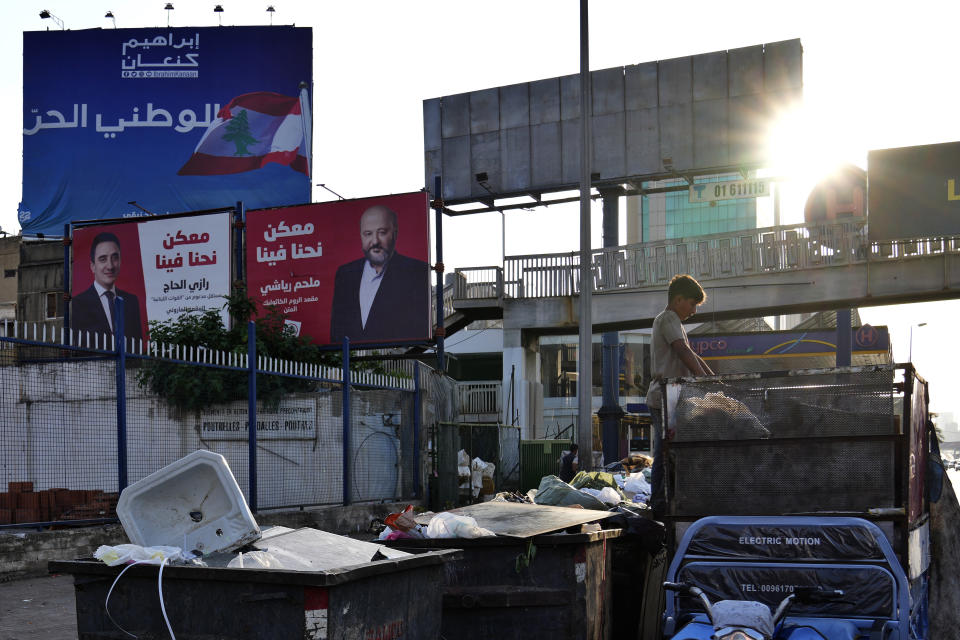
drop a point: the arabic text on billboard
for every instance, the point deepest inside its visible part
(353, 268)
(179, 119)
(161, 267)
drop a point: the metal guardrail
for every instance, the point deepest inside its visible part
(707, 258)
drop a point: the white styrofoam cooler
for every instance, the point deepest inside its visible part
(194, 503)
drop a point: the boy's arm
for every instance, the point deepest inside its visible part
(693, 362)
(703, 364)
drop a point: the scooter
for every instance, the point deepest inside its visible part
(787, 578)
(751, 620)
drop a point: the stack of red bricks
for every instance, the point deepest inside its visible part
(22, 505)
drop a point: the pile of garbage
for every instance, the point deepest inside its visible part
(626, 481)
(716, 416)
(403, 525)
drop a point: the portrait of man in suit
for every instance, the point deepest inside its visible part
(94, 309)
(382, 296)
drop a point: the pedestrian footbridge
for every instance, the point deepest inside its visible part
(750, 273)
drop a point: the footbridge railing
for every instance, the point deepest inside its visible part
(707, 258)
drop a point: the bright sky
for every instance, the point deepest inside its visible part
(876, 74)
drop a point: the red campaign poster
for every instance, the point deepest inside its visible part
(162, 267)
(352, 268)
(115, 266)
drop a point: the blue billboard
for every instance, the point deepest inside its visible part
(175, 119)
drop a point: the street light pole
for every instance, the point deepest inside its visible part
(585, 351)
(910, 357)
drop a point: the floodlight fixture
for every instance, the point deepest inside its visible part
(46, 14)
(109, 14)
(138, 206)
(168, 9)
(219, 11)
(320, 184)
(270, 10)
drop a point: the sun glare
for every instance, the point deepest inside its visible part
(804, 147)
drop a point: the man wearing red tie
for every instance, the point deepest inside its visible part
(94, 309)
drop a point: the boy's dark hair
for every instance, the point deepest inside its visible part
(100, 238)
(573, 448)
(686, 286)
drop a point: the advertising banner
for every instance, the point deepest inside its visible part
(913, 192)
(162, 268)
(351, 268)
(866, 339)
(173, 120)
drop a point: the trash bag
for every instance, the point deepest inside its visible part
(255, 560)
(606, 495)
(637, 486)
(403, 521)
(480, 470)
(555, 492)
(593, 480)
(596, 480)
(127, 553)
(451, 525)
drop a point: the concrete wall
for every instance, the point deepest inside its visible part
(58, 428)
(41, 273)
(9, 271)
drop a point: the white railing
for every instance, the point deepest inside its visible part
(712, 257)
(400, 373)
(479, 283)
(479, 397)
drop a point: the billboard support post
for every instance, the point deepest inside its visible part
(416, 429)
(440, 331)
(66, 279)
(585, 351)
(119, 340)
(252, 412)
(239, 216)
(346, 420)
(610, 412)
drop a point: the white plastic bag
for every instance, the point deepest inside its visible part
(450, 525)
(609, 495)
(254, 560)
(127, 553)
(637, 484)
(478, 471)
(463, 458)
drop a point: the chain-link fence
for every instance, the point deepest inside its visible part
(79, 424)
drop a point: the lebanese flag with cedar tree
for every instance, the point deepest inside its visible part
(252, 130)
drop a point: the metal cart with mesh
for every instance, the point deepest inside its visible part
(829, 442)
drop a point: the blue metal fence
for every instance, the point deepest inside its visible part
(78, 423)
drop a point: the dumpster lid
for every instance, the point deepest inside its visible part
(309, 549)
(522, 520)
(378, 568)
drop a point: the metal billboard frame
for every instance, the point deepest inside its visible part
(682, 117)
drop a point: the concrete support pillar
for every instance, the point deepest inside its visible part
(610, 411)
(522, 386)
